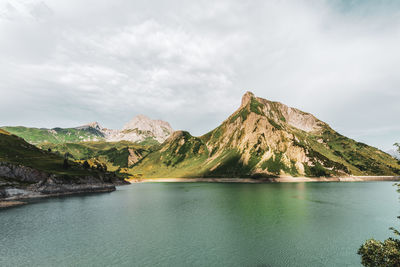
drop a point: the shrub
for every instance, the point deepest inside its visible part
(376, 253)
(381, 254)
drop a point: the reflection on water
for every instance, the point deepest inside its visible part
(202, 224)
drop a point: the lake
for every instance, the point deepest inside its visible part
(201, 224)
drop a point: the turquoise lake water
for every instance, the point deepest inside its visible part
(201, 224)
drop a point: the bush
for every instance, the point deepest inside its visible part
(376, 253)
(381, 254)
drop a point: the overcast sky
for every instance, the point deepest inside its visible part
(66, 63)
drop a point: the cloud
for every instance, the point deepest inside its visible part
(65, 63)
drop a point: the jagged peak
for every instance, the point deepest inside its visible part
(278, 112)
(142, 122)
(94, 125)
(246, 98)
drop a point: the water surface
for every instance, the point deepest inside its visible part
(201, 224)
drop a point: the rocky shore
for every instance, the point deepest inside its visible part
(20, 182)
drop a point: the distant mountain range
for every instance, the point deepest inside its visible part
(140, 129)
(261, 138)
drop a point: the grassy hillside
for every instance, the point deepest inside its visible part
(15, 150)
(55, 135)
(336, 150)
(115, 155)
(182, 155)
(261, 139)
(265, 139)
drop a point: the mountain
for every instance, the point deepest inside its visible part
(93, 125)
(140, 129)
(27, 171)
(114, 155)
(265, 139)
(56, 135)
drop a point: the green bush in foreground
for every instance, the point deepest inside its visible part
(376, 253)
(381, 254)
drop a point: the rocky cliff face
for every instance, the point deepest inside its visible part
(263, 139)
(140, 129)
(17, 181)
(27, 171)
(94, 125)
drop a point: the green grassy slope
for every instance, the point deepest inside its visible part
(55, 135)
(182, 155)
(15, 150)
(347, 154)
(114, 154)
(259, 141)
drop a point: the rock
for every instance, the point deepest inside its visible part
(139, 129)
(246, 98)
(29, 182)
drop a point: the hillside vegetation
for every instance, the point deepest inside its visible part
(55, 135)
(265, 139)
(261, 139)
(115, 155)
(141, 129)
(15, 150)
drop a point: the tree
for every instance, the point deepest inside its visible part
(381, 254)
(398, 146)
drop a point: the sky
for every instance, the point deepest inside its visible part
(64, 63)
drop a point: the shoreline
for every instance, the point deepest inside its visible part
(11, 203)
(18, 200)
(268, 180)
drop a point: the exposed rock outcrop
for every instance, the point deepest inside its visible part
(17, 181)
(139, 129)
(265, 138)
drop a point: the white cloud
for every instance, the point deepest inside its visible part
(65, 63)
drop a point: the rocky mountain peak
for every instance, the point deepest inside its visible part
(246, 98)
(141, 128)
(144, 123)
(279, 113)
(94, 125)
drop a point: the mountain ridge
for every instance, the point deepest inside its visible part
(27, 171)
(263, 138)
(139, 129)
